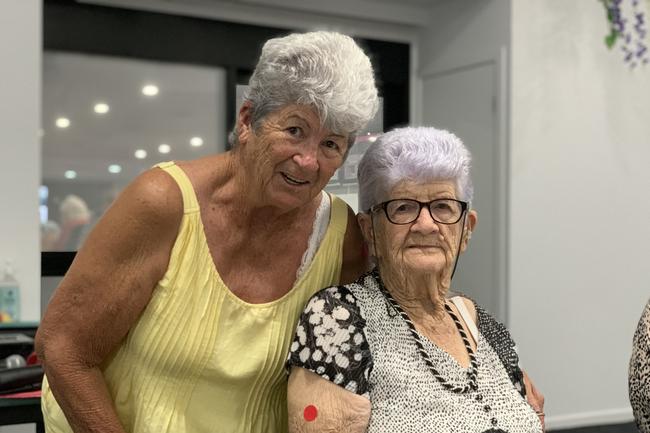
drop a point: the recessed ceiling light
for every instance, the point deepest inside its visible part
(164, 148)
(150, 90)
(62, 122)
(140, 154)
(101, 108)
(70, 174)
(372, 139)
(114, 168)
(196, 141)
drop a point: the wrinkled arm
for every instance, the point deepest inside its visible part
(106, 289)
(338, 410)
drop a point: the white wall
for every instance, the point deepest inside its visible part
(579, 232)
(463, 32)
(20, 154)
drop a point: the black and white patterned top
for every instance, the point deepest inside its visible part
(351, 336)
(639, 379)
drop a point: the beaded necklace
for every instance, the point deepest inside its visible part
(473, 371)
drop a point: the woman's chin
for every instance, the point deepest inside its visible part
(284, 197)
(425, 265)
(287, 202)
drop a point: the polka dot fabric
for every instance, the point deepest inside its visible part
(330, 340)
(639, 378)
(499, 339)
(383, 364)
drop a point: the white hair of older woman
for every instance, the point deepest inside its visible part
(325, 70)
(417, 154)
(74, 208)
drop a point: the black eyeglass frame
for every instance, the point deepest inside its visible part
(384, 205)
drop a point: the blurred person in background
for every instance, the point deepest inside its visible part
(50, 232)
(74, 216)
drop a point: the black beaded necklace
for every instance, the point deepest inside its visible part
(473, 371)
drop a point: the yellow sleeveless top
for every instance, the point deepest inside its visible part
(200, 359)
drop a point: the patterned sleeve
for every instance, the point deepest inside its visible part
(330, 340)
(499, 338)
(639, 374)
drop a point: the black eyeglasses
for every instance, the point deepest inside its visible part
(406, 210)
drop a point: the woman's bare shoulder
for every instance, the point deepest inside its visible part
(154, 194)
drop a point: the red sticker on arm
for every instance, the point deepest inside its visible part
(310, 413)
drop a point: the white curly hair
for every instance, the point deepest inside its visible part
(418, 154)
(325, 70)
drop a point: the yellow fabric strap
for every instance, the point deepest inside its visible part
(190, 202)
(339, 218)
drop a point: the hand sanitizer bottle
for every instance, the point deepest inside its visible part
(9, 295)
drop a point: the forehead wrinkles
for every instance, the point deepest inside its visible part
(301, 112)
(304, 118)
(429, 191)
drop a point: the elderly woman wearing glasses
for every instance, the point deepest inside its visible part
(394, 352)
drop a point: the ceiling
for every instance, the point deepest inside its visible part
(191, 102)
(401, 12)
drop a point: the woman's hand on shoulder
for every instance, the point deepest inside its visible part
(317, 405)
(113, 275)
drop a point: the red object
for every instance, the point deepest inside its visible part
(32, 359)
(310, 413)
(28, 394)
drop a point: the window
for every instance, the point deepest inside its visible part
(108, 119)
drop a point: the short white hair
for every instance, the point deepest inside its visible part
(325, 70)
(417, 154)
(72, 208)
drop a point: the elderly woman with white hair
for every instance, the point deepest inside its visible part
(74, 218)
(394, 351)
(179, 309)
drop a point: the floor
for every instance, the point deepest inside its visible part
(613, 428)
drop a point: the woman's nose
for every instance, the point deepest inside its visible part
(307, 157)
(425, 222)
